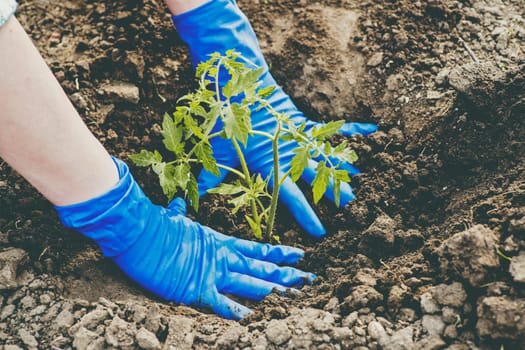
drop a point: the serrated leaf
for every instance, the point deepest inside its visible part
(336, 180)
(256, 229)
(328, 129)
(202, 68)
(237, 122)
(146, 158)
(180, 113)
(250, 78)
(192, 128)
(227, 189)
(327, 148)
(350, 155)
(181, 175)
(259, 186)
(193, 192)
(172, 135)
(199, 110)
(299, 162)
(342, 175)
(239, 202)
(265, 92)
(167, 180)
(229, 89)
(204, 153)
(321, 181)
(337, 192)
(338, 176)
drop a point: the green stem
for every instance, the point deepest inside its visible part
(247, 178)
(244, 166)
(283, 178)
(262, 133)
(276, 181)
(233, 170)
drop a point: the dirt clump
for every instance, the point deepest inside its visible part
(470, 254)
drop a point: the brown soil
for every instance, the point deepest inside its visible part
(449, 155)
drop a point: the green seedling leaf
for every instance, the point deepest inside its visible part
(266, 92)
(337, 192)
(321, 181)
(259, 185)
(202, 68)
(299, 162)
(256, 228)
(193, 192)
(212, 71)
(328, 129)
(172, 135)
(341, 175)
(180, 113)
(237, 122)
(239, 202)
(167, 180)
(227, 189)
(204, 153)
(344, 153)
(181, 175)
(327, 148)
(229, 89)
(146, 158)
(348, 155)
(338, 176)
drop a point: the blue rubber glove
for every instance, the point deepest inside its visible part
(218, 26)
(176, 258)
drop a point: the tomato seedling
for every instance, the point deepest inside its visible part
(219, 108)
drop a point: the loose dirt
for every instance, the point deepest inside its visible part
(430, 255)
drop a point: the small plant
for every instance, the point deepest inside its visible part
(187, 135)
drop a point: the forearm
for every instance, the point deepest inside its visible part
(41, 134)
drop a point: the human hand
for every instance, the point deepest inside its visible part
(177, 258)
(219, 26)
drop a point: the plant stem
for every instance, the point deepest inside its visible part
(232, 170)
(242, 160)
(276, 182)
(247, 178)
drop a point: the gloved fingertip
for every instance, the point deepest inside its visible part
(227, 308)
(310, 278)
(350, 129)
(369, 128)
(178, 205)
(289, 255)
(317, 230)
(236, 313)
(294, 291)
(347, 195)
(351, 169)
(299, 207)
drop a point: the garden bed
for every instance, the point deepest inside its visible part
(430, 255)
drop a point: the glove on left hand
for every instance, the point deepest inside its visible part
(177, 258)
(218, 26)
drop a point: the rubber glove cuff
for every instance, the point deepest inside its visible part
(98, 217)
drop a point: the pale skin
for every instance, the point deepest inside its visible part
(41, 134)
